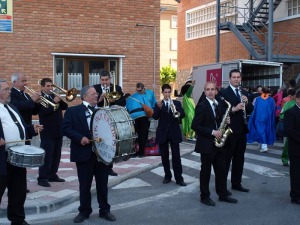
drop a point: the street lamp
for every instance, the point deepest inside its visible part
(154, 51)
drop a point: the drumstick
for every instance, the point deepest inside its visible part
(98, 140)
(10, 142)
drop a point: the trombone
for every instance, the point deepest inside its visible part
(43, 101)
(114, 95)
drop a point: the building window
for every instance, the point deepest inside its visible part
(201, 21)
(174, 22)
(173, 42)
(293, 7)
(76, 72)
(173, 63)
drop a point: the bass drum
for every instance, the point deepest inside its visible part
(114, 127)
(26, 156)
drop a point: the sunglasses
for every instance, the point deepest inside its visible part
(140, 90)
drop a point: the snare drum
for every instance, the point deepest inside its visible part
(116, 129)
(26, 156)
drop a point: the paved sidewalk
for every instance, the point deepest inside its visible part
(45, 200)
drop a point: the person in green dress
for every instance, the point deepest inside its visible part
(292, 94)
(188, 105)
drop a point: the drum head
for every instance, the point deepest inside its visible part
(27, 149)
(102, 126)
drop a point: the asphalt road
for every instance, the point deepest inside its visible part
(145, 200)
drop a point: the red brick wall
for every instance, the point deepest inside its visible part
(203, 50)
(93, 27)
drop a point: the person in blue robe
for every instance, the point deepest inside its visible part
(261, 123)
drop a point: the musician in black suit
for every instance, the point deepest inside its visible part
(27, 105)
(106, 87)
(236, 143)
(76, 126)
(168, 132)
(206, 123)
(103, 89)
(12, 128)
(292, 129)
(51, 138)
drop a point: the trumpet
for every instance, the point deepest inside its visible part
(43, 101)
(175, 113)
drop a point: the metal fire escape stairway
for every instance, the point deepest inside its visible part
(249, 26)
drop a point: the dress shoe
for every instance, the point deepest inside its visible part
(228, 199)
(229, 193)
(166, 181)
(295, 201)
(181, 183)
(240, 188)
(108, 216)
(27, 190)
(44, 183)
(112, 173)
(208, 201)
(56, 180)
(80, 218)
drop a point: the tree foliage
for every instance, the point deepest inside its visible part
(167, 75)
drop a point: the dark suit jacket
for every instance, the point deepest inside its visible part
(121, 101)
(292, 128)
(75, 127)
(203, 124)
(236, 118)
(51, 119)
(168, 126)
(3, 154)
(26, 107)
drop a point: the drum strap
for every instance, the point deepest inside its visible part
(12, 115)
(136, 110)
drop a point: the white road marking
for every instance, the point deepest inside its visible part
(132, 183)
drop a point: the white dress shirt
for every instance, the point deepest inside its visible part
(10, 130)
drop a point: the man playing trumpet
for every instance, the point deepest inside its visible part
(51, 139)
(168, 113)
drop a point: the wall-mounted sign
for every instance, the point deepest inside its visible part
(6, 15)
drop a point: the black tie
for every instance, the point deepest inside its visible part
(12, 115)
(238, 94)
(92, 108)
(167, 106)
(216, 114)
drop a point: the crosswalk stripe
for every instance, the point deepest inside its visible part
(197, 165)
(273, 151)
(265, 171)
(160, 172)
(263, 158)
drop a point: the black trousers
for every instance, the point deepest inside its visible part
(217, 160)
(176, 160)
(86, 171)
(235, 151)
(295, 177)
(16, 185)
(141, 126)
(52, 147)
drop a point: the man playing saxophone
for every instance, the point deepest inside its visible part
(209, 115)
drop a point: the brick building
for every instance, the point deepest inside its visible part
(72, 41)
(197, 33)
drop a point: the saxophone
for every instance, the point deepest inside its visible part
(223, 128)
